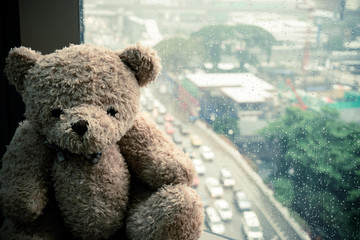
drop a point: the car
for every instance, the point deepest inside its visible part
(189, 151)
(184, 130)
(161, 108)
(169, 117)
(223, 208)
(155, 113)
(226, 178)
(160, 120)
(156, 103)
(213, 187)
(213, 221)
(147, 93)
(143, 100)
(205, 148)
(199, 166)
(177, 124)
(205, 199)
(206, 153)
(251, 226)
(195, 182)
(177, 138)
(241, 201)
(195, 141)
(208, 156)
(149, 107)
(169, 128)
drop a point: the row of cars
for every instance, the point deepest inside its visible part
(219, 211)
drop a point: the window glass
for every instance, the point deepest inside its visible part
(267, 90)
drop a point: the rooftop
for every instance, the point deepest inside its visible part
(244, 95)
(245, 80)
(241, 87)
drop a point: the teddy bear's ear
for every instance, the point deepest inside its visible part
(18, 63)
(142, 61)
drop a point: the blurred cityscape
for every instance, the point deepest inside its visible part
(314, 58)
(241, 63)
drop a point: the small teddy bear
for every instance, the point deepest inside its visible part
(86, 164)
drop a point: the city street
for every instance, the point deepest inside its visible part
(274, 225)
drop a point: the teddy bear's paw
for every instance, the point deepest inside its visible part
(172, 213)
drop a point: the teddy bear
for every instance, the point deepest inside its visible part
(86, 163)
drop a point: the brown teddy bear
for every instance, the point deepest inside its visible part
(86, 164)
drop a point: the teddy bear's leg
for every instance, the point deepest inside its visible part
(173, 212)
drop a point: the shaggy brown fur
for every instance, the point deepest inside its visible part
(86, 164)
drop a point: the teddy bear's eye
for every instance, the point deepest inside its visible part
(57, 112)
(112, 111)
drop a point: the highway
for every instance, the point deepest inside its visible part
(274, 225)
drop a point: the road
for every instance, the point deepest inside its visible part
(273, 223)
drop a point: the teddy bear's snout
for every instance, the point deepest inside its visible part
(80, 127)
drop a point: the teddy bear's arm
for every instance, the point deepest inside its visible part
(153, 157)
(23, 176)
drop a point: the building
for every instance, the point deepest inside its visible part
(247, 94)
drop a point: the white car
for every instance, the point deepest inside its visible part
(222, 207)
(206, 153)
(251, 226)
(161, 108)
(213, 221)
(214, 188)
(156, 103)
(226, 178)
(199, 166)
(241, 201)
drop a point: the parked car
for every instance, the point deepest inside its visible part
(195, 141)
(143, 100)
(169, 117)
(226, 178)
(223, 208)
(161, 108)
(213, 221)
(169, 128)
(199, 166)
(195, 182)
(251, 226)
(156, 103)
(160, 120)
(205, 199)
(214, 188)
(147, 93)
(149, 107)
(241, 201)
(177, 138)
(206, 153)
(189, 151)
(177, 124)
(184, 130)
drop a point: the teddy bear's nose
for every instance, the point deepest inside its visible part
(80, 127)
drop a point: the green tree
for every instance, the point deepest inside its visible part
(178, 53)
(255, 37)
(221, 114)
(210, 43)
(242, 37)
(320, 154)
(227, 126)
(210, 39)
(284, 191)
